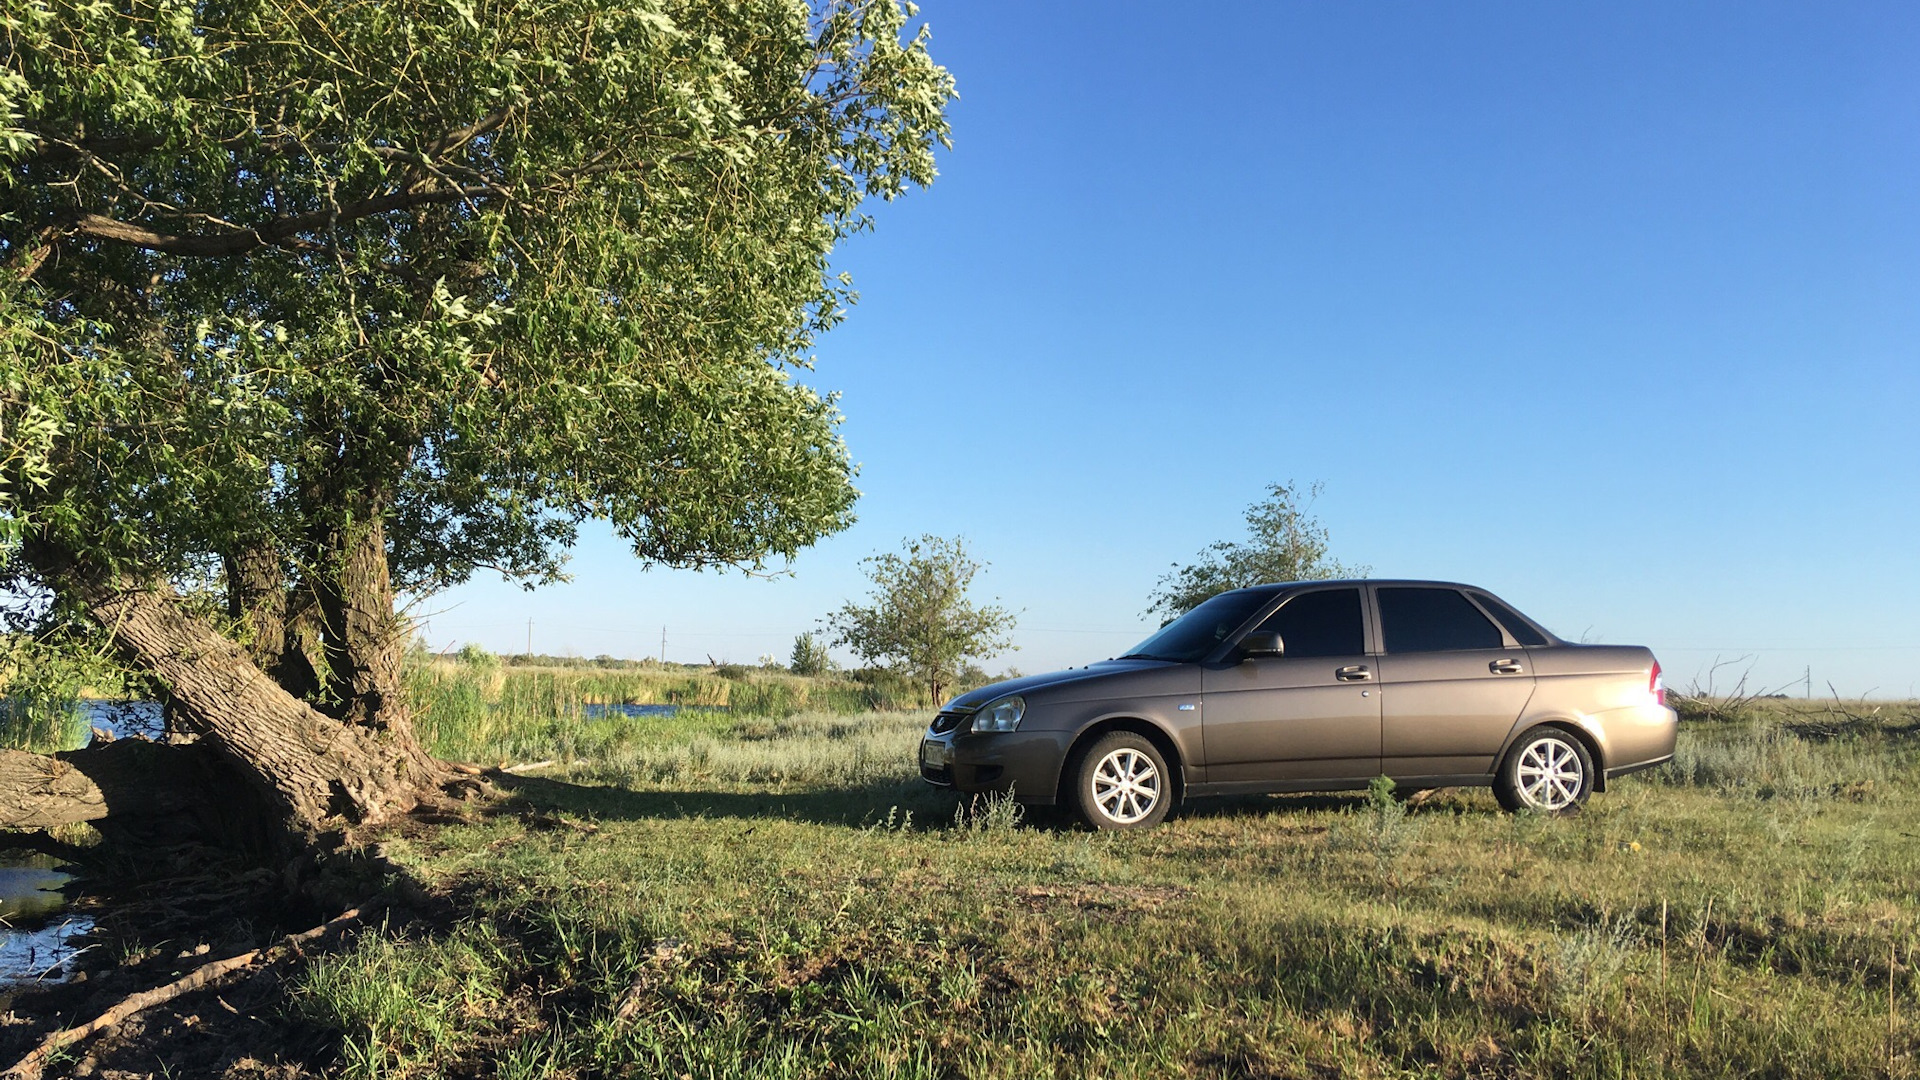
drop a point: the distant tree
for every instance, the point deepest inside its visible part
(476, 656)
(1284, 543)
(918, 618)
(809, 655)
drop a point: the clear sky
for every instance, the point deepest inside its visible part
(1613, 309)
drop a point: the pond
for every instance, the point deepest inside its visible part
(36, 938)
(601, 712)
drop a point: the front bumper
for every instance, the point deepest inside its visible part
(1023, 763)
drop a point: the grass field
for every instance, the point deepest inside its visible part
(491, 712)
(705, 896)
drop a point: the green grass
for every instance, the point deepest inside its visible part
(42, 725)
(485, 712)
(712, 897)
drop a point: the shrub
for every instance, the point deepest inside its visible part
(809, 655)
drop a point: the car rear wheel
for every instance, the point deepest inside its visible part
(1548, 771)
(1123, 783)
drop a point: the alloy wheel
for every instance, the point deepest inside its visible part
(1550, 774)
(1126, 786)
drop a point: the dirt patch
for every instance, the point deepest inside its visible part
(1115, 903)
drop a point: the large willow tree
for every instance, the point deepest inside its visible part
(306, 304)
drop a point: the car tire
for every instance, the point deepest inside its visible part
(1548, 771)
(1122, 782)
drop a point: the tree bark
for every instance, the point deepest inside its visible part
(310, 769)
(364, 647)
(144, 792)
(281, 623)
(257, 600)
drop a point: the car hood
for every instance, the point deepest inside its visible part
(1027, 684)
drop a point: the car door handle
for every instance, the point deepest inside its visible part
(1356, 673)
(1504, 667)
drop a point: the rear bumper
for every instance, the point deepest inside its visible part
(1637, 737)
(1024, 763)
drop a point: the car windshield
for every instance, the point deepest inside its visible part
(1194, 635)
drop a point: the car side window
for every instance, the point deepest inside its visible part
(1522, 631)
(1433, 620)
(1324, 623)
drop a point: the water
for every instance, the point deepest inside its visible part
(36, 939)
(30, 899)
(601, 712)
(124, 719)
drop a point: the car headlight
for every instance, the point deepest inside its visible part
(1001, 715)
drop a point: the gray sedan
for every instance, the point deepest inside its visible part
(1315, 686)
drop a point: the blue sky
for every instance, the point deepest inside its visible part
(1613, 309)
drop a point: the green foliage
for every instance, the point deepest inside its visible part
(919, 617)
(477, 270)
(41, 685)
(1793, 751)
(476, 657)
(1387, 831)
(809, 655)
(1284, 543)
(404, 1005)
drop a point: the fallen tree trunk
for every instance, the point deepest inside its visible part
(133, 790)
(129, 779)
(311, 771)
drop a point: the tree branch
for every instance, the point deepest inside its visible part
(280, 232)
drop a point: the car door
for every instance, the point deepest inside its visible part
(1452, 683)
(1309, 714)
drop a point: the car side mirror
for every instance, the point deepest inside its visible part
(1262, 643)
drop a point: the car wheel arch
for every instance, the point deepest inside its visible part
(1146, 729)
(1569, 727)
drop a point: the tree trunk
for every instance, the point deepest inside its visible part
(310, 768)
(281, 625)
(147, 794)
(257, 601)
(364, 643)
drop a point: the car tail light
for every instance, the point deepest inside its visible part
(1654, 685)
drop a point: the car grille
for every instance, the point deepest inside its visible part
(947, 721)
(937, 776)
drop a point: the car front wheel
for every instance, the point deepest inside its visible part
(1548, 771)
(1123, 783)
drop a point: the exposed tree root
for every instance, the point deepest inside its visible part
(210, 974)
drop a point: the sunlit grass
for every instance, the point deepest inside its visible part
(483, 712)
(785, 898)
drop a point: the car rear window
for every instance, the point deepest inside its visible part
(1325, 623)
(1434, 620)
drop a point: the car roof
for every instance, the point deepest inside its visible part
(1279, 586)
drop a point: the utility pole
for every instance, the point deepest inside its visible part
(663, 645)
(529, 637)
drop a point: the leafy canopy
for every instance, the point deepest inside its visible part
(484, 268)
(918, 617)
(1284, 543)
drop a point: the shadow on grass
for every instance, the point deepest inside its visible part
(870, 804)
(858, 806)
